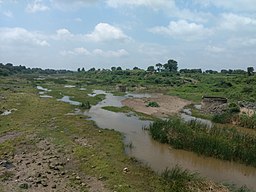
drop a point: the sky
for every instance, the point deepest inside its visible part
(71, 34)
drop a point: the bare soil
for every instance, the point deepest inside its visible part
(168, 105)
(42, 168)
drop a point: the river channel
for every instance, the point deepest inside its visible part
(160, 156)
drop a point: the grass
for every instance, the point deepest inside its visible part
(123, 109)
(180, 178)
(46, 118)
(105, 159)
(126, 109)
(219, 142)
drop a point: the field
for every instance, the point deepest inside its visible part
(63, 151)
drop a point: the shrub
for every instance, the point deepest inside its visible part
(233, 108)
(85, 105)
(152, 104)
(220, 142)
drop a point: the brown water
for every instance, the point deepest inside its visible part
(159, 156)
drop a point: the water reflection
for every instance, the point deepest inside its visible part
(66, 99)
(159, 156)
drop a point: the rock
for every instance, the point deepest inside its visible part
(54, 186)
(44, 183)
(83, 184)
(23, 186)
(78, 178)
(125, 170)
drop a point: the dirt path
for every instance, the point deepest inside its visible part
(169, 105)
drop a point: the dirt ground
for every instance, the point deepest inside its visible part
(168, 105)
(42, 168)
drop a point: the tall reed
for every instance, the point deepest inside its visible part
(223, 143)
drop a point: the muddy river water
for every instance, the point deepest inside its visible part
(160, 156)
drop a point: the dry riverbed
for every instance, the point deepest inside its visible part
(168, 105)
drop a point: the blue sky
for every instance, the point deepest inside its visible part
(71, 34)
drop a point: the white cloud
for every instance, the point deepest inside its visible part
(95, 52)
(215, 49)
(76, 51)
(232, 21)
(106, 32)
(36, 6)
(183, 29)
(118, 53)
(63, 34)
(159, 4)
(8, 14)
(169, 7)
(71, 5)
(22, 36)
(242, 42)
(236, 5)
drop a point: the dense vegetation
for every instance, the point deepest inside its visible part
(10, 69)
(220, 142)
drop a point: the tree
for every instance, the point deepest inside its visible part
(159, 67)
(78, 70)
(151, 68)
(250, 70)
(135, 68)
(171, 65)
(119, 68)
(113, 68)
(83, 69)
(92, 69)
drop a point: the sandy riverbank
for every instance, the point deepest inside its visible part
(169, 105)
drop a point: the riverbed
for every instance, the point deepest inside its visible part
(160, 156)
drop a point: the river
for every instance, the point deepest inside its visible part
(160, 156)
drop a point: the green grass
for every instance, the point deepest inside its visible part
(105, 159)
(126, 109)
(123, 109)
(219, 142)
(46, 118)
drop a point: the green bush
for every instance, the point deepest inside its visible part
(152, 104)
(85, 105)
(248, 122)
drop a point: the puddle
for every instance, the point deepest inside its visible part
(45, 96)
(82, 89)
(8, 112)
(96, 92)
(69, 86)
(186, 116)
(42, 89)
(66, 99)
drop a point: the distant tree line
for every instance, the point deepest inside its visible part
(172, 67)
(10, 69)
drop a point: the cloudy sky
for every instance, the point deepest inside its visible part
(69, 34)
